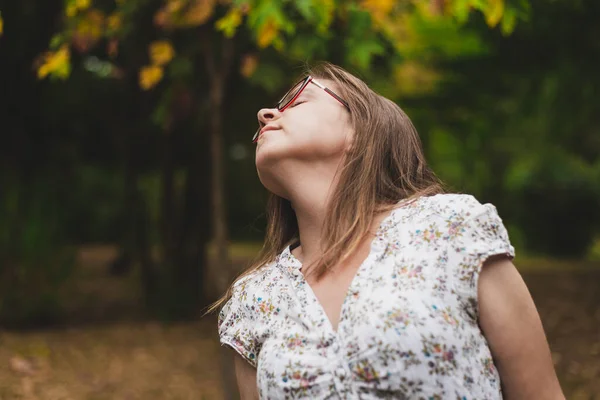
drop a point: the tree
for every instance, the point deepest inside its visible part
(257, 36)
(521, 120)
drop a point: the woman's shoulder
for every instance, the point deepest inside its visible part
(253, 279)
(454, 205)
(242, 317)
(424, 209)
(246, 291)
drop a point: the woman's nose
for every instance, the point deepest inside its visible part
(268, 114)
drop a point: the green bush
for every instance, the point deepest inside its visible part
(95, 205)
(556, 205)
(35, 263)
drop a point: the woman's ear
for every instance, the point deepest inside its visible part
(349, 141)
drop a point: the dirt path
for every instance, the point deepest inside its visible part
(128, 358)
(569, 305)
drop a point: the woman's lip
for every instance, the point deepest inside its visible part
(267, 128)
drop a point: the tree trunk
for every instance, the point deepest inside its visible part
(219, 221)
(143, 250)
(167, 218)
(218, 72)
(124, 261)
(194, 224)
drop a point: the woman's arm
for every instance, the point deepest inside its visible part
(512, 327)
(246, 378)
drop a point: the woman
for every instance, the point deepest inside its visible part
(372, 283)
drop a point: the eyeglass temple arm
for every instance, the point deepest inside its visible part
(335, 96)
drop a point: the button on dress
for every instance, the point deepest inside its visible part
(408, 326)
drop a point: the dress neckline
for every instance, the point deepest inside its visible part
(377, 246)
(384, 226)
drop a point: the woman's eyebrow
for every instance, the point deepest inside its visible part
(309, 91)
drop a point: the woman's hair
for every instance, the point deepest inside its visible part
(384, 165)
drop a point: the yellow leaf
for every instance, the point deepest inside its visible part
(71, 10)
(414, 78)
(91, 25)
(75, 6)
(162, 18)
(328, 9)
(198, 12)
(114, 22)
(267, 33)
(83, 5)
(150, 76)
(379, 6)
(174, 6)
(1, 25)
(379, 9)
(495, 12)
(161, 52)
(430, 10)
(56, 63)
(43, 71)
(249, 64)
(229, 23)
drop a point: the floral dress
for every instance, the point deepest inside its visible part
(408, 327)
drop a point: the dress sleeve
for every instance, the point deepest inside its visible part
(487, 236)
(482, 235)
(236, 325)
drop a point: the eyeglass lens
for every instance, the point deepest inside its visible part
(284, 102)
(289, 96)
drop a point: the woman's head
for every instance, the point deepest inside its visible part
(368, 142)
(347, 127)
(306, 134)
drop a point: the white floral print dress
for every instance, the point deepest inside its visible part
(408, 327)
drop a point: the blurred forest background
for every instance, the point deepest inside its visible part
(128, 192)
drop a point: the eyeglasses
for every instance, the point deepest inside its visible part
(292, 94)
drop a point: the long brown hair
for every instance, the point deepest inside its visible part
(385, 165)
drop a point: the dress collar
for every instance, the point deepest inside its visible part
(288, 261)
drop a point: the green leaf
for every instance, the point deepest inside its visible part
(446, 154)
(57, 41)
(360, 52)
(181, 68)
(440, 37)
(460, 10)
(264, 11)
(520, 172)
(306, 9)
(269, 77)
(243, 3)
(230, 22)
(325, 13)
(359, 23)
(303, 46)
(509, 21)
(161, 112)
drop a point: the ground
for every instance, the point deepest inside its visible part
(129, 358)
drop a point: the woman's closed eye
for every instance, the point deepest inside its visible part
(297, 103)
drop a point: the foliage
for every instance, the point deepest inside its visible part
(518, 125)
(415, 31)
(569, 185)
(175, 51)
(34, 264)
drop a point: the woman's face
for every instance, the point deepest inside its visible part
(314, 131)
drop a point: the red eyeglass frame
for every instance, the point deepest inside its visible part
(305, 82)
